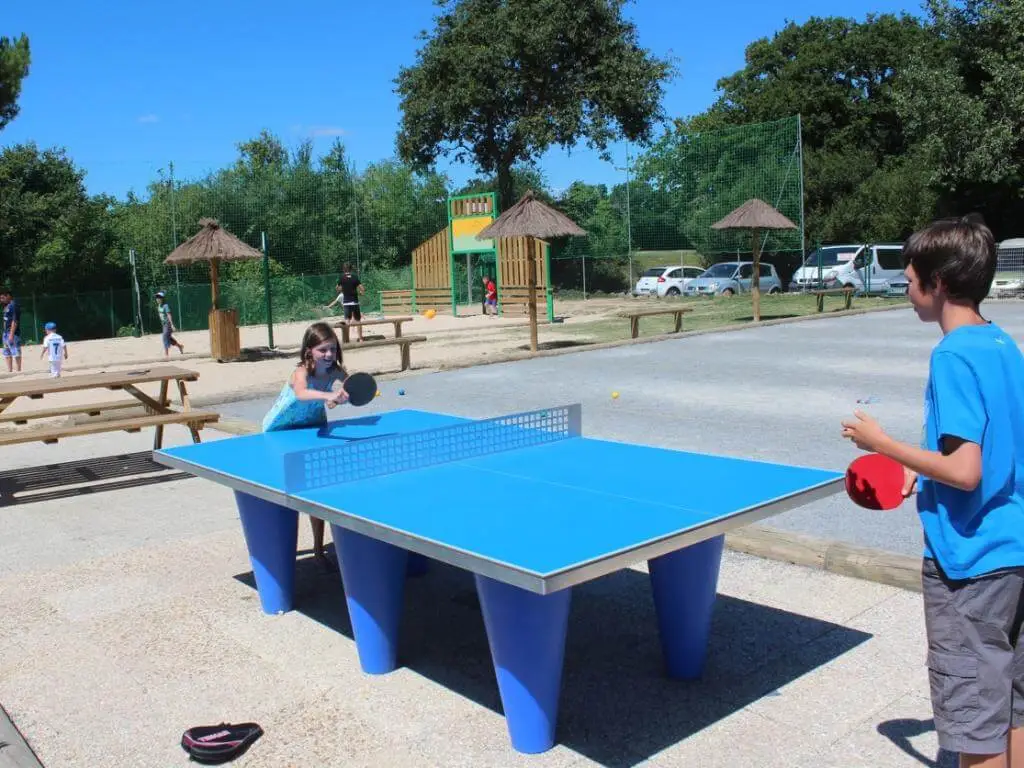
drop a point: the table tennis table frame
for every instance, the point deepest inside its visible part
(525, 613)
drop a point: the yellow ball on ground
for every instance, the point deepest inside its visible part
(430, 314)
(378, 393)
(615, 395)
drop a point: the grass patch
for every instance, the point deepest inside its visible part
(645, 259)
(718, 312)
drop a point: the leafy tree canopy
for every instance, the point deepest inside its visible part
(498, 82)
(14, 63)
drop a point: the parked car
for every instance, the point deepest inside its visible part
(647, 285)
(897, 286)
(731, 277)
(1009, 278)
(867, 268)
(665, 281)
(673, 282)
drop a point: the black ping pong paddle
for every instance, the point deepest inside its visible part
(361, 388)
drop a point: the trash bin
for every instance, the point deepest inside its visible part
(225, 340)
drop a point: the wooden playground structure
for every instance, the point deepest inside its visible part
(506, 259)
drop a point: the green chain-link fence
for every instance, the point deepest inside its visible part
(315, 216)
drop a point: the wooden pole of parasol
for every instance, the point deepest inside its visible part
(214, 282)
(531, 285)
(755, 279)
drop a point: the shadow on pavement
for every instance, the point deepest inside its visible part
(617, 707)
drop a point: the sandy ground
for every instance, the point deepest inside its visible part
(461, 340)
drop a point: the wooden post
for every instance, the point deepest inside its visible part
(755, 279)
(531, 284)
(214, 283)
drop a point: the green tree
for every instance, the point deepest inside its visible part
(498, 82)
(398, 209)
(699, 177)
(962, 100)
(14, 63)
(54, 236)
(843, 77)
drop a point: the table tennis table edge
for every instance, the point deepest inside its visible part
(446, 553)
(579, 573)
(533, 581)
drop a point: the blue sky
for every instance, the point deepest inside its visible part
(127, 87)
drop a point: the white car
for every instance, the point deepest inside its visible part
(665, 281)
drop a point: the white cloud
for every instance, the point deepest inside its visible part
(149, 119)
(318, 131)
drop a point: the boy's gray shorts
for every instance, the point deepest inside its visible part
(975, 660)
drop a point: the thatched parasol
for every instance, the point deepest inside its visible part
(531, 217)
(214, 244)
(755, 215)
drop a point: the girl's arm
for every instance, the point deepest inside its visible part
(304, 392)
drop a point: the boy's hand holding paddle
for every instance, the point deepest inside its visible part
(875, 481)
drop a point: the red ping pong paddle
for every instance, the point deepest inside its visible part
(875, 482)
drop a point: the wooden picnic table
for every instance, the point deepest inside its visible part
(634, 315)
(396, 321)
(158, 409)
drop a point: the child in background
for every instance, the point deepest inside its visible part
(55, 348)
(490, 296)
(305, 396)
(163, 309)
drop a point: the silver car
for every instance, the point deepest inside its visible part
(731, 277)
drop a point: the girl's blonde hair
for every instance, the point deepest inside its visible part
(314, 336)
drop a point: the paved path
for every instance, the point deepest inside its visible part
(130, 615)
(776, 393)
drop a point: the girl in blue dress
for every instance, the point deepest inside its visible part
(305, 395)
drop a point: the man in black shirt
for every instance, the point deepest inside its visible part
(349, 288)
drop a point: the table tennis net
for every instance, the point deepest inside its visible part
(363, 459)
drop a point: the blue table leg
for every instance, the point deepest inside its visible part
(373, 573)
(526, 632)
(685, 584)
(418, 565)
(271, 534)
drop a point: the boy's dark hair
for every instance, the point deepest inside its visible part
(960, 252)
(314, 336)
(5, 292)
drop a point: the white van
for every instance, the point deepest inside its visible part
(1009, 277)
(866, 268)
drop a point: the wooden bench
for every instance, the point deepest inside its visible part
(23, 417)
(396, 321)
(402, 342)
(821, 294)
(634, 317)
(405, 300)
(194, 420)
(157, 410)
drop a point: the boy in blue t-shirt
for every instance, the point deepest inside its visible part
(970, 473)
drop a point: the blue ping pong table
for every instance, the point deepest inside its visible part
(524, 502)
